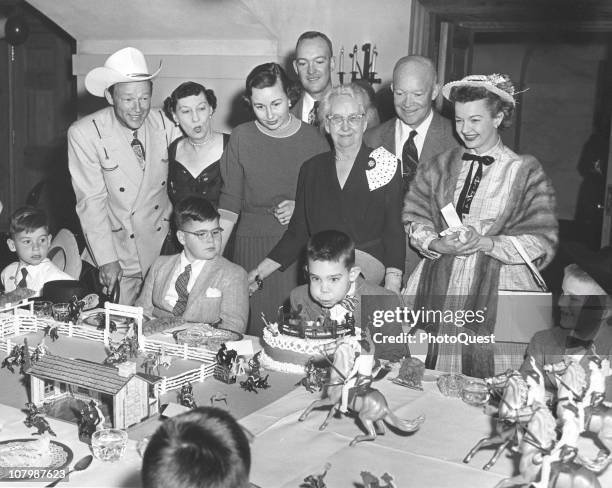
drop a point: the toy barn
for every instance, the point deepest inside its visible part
(129, 397)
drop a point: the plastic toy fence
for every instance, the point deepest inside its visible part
(19, 319)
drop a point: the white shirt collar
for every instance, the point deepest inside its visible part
(196, 266)
(402, 132)
(307, 104)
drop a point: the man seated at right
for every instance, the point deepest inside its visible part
(198, 284)
(585, 327)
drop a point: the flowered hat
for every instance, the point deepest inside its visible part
(500, 84)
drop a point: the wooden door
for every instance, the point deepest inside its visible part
(40, 93)
(455, 51)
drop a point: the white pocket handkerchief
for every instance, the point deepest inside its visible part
(213, 293)
(381, 168)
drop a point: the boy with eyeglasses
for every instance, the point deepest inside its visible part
(30, 239)
(198, 284)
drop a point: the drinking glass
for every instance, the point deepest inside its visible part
(450, 384)
(109, 444)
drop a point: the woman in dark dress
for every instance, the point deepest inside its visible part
(194, 158)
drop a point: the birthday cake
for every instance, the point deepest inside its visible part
(288, 347)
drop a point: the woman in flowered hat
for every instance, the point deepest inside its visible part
(496, 194)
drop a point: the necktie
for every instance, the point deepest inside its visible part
(138, 149)
(312, 115)
(471, 185)
(22, 282)
(349, 303)
(410, 160)
(181, 290)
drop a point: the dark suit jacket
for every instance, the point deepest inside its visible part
(548, 346)
(296, 110)
(440, 137)
(232, 307)
(379, 298)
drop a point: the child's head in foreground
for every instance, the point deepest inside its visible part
(203, 448)
(331, 266)
(197, 224)
(29, 235)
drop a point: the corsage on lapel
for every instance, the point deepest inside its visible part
(213, 293)
(381, 168)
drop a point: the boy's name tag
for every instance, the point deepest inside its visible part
(242, 348)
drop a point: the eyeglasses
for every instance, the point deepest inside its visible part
(205, 234)
(353, 120)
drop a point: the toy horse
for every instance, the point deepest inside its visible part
(513, 411)
(537, 442)
(371, 406)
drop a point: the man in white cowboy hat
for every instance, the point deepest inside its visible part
(418, 133)
(118, 161)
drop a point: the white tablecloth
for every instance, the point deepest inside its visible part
(285, 450)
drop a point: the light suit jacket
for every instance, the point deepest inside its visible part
(219, 273)
(124, 212)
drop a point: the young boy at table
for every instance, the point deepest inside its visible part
(31, 240)
(336, 288)
(204, 447)
(198, 284)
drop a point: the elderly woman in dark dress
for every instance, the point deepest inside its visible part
(352, 189)
(260, 171)
(194, 158)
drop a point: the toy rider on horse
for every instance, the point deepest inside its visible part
(360, 375)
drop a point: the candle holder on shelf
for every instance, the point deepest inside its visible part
(368, 73)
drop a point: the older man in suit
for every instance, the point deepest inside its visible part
(418, 133)
(118, 160)
(198, 284)
(314, 63)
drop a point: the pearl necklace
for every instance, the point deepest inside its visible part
(200, 144)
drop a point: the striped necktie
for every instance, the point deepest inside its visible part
(410, 160)
(138, 149)
(23, 282)
(181, 289)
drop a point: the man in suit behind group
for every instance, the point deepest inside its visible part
(313, 64)
(118, 161)
(418, 133)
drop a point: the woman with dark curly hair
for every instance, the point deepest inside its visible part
(504, 202)
(194, 158)
(260, 169)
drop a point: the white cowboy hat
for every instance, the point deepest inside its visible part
(64, 253)
(127, 64)
(496, 83)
